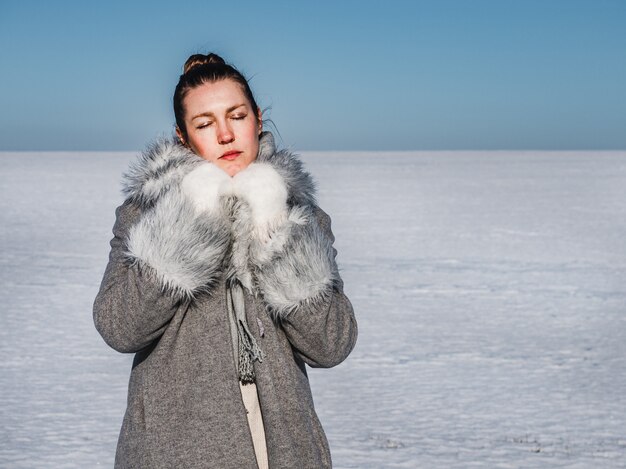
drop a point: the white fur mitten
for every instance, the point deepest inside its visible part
(205, 185)
(265, 192)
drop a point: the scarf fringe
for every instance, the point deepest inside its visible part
(249, 352)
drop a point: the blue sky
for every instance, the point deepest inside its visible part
(336, 75)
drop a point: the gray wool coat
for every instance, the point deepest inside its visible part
(163, 297)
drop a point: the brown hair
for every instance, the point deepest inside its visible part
(210, 68)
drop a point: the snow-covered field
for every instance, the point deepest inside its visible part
(490, 290)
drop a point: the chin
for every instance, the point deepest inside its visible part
(231, 170)
(236, 167)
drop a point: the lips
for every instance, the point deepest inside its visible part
(230, 155)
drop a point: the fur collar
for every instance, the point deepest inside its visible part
(166, 162)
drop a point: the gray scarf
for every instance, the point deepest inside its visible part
(245, 348)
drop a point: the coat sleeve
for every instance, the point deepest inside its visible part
(130, 310)
(160, 260)
(305, 292)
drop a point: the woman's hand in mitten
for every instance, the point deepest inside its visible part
(264, 190)
(205, 185)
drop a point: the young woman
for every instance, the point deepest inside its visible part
(222, 280)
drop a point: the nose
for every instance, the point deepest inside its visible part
(225, 135)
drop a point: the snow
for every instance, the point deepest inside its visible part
(489, 288)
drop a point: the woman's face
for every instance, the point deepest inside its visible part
(221, 125)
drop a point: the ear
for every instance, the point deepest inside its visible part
(259, 119)
(180, 136)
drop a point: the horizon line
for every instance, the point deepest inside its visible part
(457, 150)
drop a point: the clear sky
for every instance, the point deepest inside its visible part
(336, 75)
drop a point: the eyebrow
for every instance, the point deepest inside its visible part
(210, 114)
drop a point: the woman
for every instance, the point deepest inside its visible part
(222, 280)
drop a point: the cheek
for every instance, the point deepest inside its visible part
(202, 148)
(254, 147)
(249, 138)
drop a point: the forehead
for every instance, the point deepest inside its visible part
(214, 97)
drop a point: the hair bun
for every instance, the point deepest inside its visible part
(198, 60)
